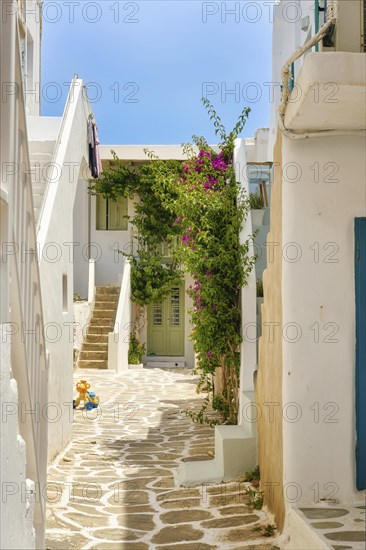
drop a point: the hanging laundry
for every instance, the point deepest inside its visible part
(95, 163)
(91, 143)
(96, 146)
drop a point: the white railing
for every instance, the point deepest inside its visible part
(29, 361)
(91, 281)
(248, 352)
(55, 156)
(59, 160)
(119, 339)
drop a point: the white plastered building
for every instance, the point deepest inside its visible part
(311, 353)
(42, 161)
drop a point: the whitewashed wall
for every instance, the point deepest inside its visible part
(34, 87)
(319, 311)
(56, 237)
(81, 236)
(17, 505)
(104, 245)
(109, 263)
(287, 38)
(23, 363)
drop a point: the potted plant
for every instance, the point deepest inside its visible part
(257, 207)
(136, 351)
(260, 298)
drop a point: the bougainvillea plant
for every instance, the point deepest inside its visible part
(200, 204)
(211, 212)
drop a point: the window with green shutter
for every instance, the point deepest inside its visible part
(112, 215)
(165, 249)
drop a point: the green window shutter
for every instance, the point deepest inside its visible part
(117, 212)
(101, 213)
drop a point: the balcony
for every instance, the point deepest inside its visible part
(329, 94)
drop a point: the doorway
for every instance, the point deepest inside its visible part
(165, 334)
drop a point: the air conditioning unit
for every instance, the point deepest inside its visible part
(349, 32)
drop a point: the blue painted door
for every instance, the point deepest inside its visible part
(360, 273)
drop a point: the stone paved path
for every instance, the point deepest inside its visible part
(341, 528)
(115, 486)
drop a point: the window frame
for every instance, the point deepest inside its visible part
(105, 203)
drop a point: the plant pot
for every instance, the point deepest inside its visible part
(257, 217)
(259, 304)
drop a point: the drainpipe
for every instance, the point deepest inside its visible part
(89, 224)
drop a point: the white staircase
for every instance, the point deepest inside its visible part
(41, 153)
(94, 350)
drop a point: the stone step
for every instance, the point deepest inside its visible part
(94, 350)
(37, 201)
(164, 358)
(38, 188)
(44, 147)
(105, 305)
(107, 290)
(166, 364)
(37, 211)
(41, 150)
(95, 328)
(97, 338)
(41, 169)
(99, 330)
(105, 294)
(104, 314)
(106, 299)
(89, 346)
(41, 165)
(95, 364)
(93, 355)
(101, 322)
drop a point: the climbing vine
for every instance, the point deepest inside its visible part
(212, 210)
(151, 185)
(199, 206)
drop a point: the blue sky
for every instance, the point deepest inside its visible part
(148, 63)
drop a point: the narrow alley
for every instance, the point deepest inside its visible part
(116, 487)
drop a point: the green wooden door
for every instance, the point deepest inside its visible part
(165, 334)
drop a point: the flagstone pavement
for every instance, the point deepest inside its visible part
(115, 486)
